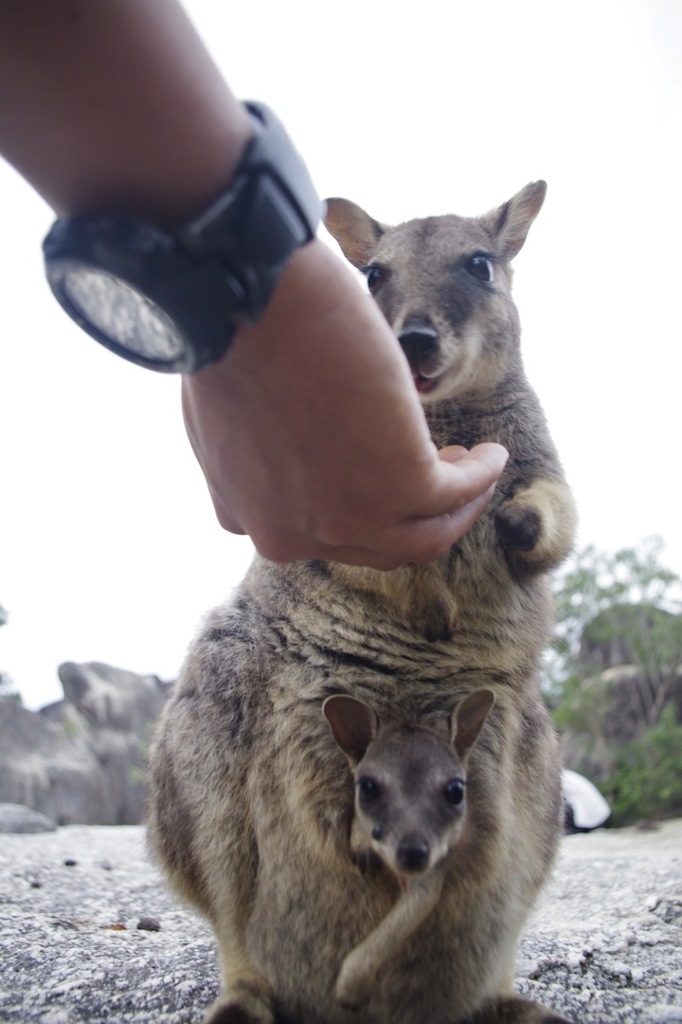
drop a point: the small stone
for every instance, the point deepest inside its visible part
(652, 937)
(70, 863)
(663, 1014)
(528, 968)
(619, 970)
(149, 924)
(55, 1016)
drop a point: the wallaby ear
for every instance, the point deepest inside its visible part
(467, 720)
(353, 229)
(511, 222)
(353, 724)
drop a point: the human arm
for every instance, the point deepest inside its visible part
(115, 106)
(309, 432)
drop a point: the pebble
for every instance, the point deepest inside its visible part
(55, 1017)
(663, 1014)
(149, 924)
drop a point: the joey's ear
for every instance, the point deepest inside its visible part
(510, 223)
(353, 725)
(467, 720)
(353, 229)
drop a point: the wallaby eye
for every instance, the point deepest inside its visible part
(480, 267)
(375, 275)
(454, 792)
(368, 789)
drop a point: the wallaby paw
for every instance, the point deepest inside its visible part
(243, 1004)
(353, 985)
(518, 526)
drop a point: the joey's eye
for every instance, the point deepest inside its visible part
(453, 792)
(368, 789)
(480, 267)
(374, 275)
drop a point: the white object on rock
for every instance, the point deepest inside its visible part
(589, 808)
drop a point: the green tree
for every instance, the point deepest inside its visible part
(646, 779)
(622, 610)
(618, 609)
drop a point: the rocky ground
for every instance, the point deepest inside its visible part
(88, 933)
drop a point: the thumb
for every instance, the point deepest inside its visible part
(477, 470)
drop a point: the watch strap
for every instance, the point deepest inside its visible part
(269, 209)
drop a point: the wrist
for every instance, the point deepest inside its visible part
(172, 301)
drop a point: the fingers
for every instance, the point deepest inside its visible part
(476, 470)
(416, 538)
(414, 515)
(413, 540)
(466, 493)
(422, 540)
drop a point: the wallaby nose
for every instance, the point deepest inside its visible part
(418, 343)
(412, 853)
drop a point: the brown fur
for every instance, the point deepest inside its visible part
(251, 804)
(409, 820)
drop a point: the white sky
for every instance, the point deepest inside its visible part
(108, 545)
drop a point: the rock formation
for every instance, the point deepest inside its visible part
(81, 760)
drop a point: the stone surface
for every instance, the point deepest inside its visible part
(17, 818)
(604, 947)
(81, 760)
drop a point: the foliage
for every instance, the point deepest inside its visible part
(628, 601)
(7, 689)
(646, 781)
(615, 676)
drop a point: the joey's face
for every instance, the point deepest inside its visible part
(446, 295)
(409, 799)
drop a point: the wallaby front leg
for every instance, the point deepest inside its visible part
(359, 970)
(536, 527)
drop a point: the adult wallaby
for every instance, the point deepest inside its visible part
(410, 809)
(250, 808)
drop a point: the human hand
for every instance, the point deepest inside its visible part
(309, 432)
(312, 438)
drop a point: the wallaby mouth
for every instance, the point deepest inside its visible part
(424, 384)
(421, 346)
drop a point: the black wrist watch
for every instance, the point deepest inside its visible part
(174, 301)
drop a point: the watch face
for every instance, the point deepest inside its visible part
(121, 314)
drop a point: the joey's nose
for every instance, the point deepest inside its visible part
(412, 853)
(418, 344)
